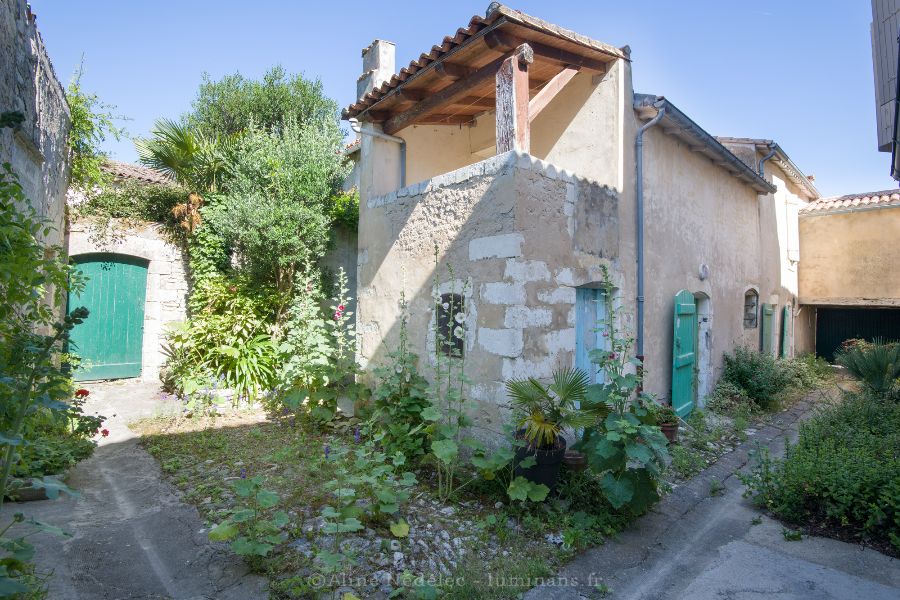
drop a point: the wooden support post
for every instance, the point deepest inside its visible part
(513, 127)
(549, 91)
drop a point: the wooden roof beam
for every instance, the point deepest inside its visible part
(504, 42)
(434, 102)
(550, 90)
(453, 71)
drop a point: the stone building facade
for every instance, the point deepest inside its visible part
(36, 149)
(529, 199)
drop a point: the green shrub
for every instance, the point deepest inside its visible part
(808, 371)
(877, 365)
(760, 377)
(844, 471)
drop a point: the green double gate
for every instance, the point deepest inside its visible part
(109, 342)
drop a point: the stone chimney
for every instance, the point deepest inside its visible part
(378, 66)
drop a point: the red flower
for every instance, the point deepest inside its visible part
(104, 432)
(341, 307)
(82, 393)
(337, 315)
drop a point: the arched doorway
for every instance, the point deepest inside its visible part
(703, 365)
(110, 340)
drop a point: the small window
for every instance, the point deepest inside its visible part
(451, 324)
(751, 309)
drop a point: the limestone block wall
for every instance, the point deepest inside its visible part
(515, 236)
(167, 280)
(36, 149)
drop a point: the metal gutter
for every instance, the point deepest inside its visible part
(781, 159)
(678, 124)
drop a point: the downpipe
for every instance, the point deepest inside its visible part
(761, 169)
(639, 161)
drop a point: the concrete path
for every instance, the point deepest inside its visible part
(133, 538)
(701, 547)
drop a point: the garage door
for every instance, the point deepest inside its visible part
(110, 339)
(834, 325)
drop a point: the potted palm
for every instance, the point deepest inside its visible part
(542, 413)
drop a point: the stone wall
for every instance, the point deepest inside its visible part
(506, 234)
(167, 281)
(36, 149)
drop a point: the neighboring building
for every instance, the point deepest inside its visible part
(36, 148)
(885, 43)
(518, 166)
(850, 274)
(137, 287)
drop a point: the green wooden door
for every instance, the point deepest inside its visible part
(767, 331)
(684, 353)
(786, 331)
(109, 341)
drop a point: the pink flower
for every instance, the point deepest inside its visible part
(341, 307)
(104, 432)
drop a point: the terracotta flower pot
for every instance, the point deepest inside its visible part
(670, 430)
(574, 460)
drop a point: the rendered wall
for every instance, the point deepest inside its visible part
(697, 213)
(519, 236)
(851, 259)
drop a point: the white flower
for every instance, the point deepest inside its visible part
(445, 306)
(460, 318)
(398, 368)
(459, 332)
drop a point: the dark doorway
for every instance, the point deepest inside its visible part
(834, 325)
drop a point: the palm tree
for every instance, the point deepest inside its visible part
(545, 410)
(192, 159)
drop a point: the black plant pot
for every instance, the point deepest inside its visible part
(549, 461)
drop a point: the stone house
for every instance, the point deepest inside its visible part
(850, 274)
(137, 288)
(517, 154)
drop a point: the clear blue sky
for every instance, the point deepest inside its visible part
(799, 72)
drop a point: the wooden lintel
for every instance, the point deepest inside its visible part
(550, 90)
(453, 71)
(513, 125)
(504, 42)
(444, 97)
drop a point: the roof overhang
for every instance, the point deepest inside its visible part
(680, 126)
(782, 160)
(455, 82)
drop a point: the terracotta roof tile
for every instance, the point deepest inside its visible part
(122, 170)
(476, 24)
(854, 201)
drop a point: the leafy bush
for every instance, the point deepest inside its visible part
(877, 365)
(543, 411)
(808, 371)
(624, 447)
(133, 202)
(227, 340)
(761, 377)
(843, 473)
(255, 528)
(400, 396)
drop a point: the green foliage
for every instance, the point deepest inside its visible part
(234, 104)
(843, 473)
(319, 354)
(255, 528)
(227, 340)
(92, 122)
(624, 446)
(134, 203)
(877, 365)
(190, 156)
(448, 410)
(400, 396)
(545, 410)
(277, 207)
(368, 484)
(686, 462)
(761, 377)
(33, 283)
